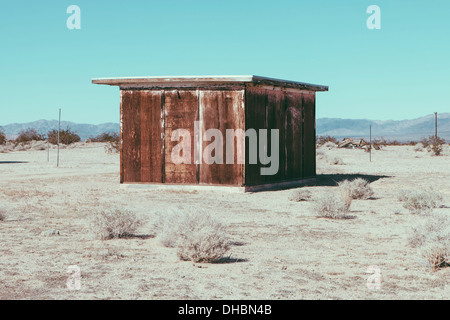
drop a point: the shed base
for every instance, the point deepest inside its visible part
(219, 188)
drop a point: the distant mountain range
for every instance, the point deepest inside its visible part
(85, 131)
(402, 130)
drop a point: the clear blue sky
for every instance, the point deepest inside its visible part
(399, 72)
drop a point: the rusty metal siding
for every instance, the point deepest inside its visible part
(222, 110)
(309, 135)
(181, 112)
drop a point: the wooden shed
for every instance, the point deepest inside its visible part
(156, 113)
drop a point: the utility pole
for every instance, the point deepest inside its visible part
(370, 145)
(59, 129)
(435, 125)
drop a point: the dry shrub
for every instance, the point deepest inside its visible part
(106, 137)
(112, 147)
(2, 215)
(300, 195)
(196, 235)
(433, 240)
(356, 189)
(321, 140)
(418, 148)
(433, 144)
(337, 161)
(334, 206)
(2, 137)
(420, 201)
(115, 223)
(26, 136)
(65, 137)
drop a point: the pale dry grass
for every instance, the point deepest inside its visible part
(432, 238)
(196, 235)
(421, 201)
(115, 223)
(332, 205)
(356, 189)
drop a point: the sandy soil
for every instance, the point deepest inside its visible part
(281, 249)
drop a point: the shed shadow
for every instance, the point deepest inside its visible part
(332, 180)
(13, 162)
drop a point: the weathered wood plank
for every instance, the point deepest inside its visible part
(309, 135)
(131, 117)
(223, 110)
(151, 138)
(181, 112)
(293, 136)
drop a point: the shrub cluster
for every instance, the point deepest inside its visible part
(26, 136)
(420, 201)
(65, 137)
(115, 223)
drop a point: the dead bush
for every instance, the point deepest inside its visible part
(196, 235)
(2, 137)
(106, 137)
(337, 161)
(66, 137)
(432, 238)
(332, 205)
(420, 201)
(433, 144)
(321, 140)
(300, 195)
(2, 215)
(115, 223)
(356, 189)
(26, 136)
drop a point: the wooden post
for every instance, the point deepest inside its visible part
(59, 129)
(370, 143)
(435, 125)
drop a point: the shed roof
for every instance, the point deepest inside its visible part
(205, 81)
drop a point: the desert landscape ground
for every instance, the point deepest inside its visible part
(280, 249)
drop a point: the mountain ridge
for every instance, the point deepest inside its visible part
(402, 130)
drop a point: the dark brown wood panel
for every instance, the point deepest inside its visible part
(222, 110)
(181, 112)
(255, 118)
(293, 136)
(309, 135)
(151, 136)
(275, 120)
(131, 136)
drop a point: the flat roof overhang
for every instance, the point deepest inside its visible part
(205, 82)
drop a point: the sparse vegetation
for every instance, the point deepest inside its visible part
(196, 235)
(2, 215)
(357, 189)
(433, 240)
(106, 137)
(115, 223)
(2, 137)
(321, 140)
(300, 195)
(433, 144)
(420, 201)
(26, 136)
(66, 137)
(332, 205)
(337, 161)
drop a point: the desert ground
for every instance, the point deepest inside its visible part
(280, 249)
